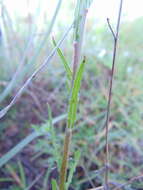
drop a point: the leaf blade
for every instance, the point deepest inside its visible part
(64, 61)
(74, 96)
(54, 185)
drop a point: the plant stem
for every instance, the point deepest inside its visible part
(79, 33)
(79, 25)
(115, 37)
(64, 166)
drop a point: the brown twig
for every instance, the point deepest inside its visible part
(115, 37)
(112, 31)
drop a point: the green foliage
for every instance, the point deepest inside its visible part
(73, 166)
(64, 61)
(55, 151)
(22, 174)
(38, 132)
(54, 185)
(126, 114)
(73, 102)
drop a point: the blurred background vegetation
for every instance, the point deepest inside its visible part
(25, 42)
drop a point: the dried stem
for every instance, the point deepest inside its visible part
(115, 36)
(39, 69)
(110, 27)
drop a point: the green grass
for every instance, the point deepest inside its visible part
(87, 151)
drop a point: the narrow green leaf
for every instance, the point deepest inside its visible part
(22, 173)
(74, 96)
(12, 170)
(64, 61)
(54, 139)
(73, 168)
(50, 116)
(54, 185)
(17, 148)
(6, 179)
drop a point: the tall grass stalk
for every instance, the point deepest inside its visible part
(77, 72)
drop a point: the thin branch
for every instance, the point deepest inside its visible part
(119, 18)
(111, 29)
(37, 71)
(110, 92)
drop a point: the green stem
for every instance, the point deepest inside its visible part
(79, 25)
(64, 165)
(79, 33)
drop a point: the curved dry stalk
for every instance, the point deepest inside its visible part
(37, 71)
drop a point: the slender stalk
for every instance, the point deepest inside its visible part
(115, 37)
(80, 19)
(79, 33)
(64, 166)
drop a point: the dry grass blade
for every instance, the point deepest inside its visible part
(41, 67)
